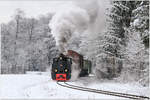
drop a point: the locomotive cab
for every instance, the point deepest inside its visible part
(61, 68)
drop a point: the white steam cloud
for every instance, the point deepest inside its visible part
(91, 7)
(67, 22)
(75, 71)
(72, 21)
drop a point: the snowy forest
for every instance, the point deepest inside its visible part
(118, 49)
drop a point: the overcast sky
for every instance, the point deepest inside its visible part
(30, 7)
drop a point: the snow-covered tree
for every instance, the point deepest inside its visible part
(140, 18)
(42, 47)
(118, 18)
(26, 44)
(113, 40)
(5, 49)
(141, 25)
(18, 17)
(136, 65)
(134, 46)
(51, 50)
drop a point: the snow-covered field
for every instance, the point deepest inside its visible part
(36, 86)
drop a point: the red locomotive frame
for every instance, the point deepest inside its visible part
(61, 77)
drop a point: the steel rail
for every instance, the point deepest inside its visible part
(102, 91)
(111, 92)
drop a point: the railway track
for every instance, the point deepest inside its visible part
(124, 95)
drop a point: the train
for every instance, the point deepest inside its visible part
(63, 64)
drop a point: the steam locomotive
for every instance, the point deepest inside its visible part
(62, 66)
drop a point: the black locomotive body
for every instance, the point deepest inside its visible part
(61, 68)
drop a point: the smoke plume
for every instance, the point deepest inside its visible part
(72, 21)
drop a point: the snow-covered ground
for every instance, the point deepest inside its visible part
(40, 86)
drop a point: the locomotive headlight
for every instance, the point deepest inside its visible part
(56, 70)
(66, 70)
(60, 58)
